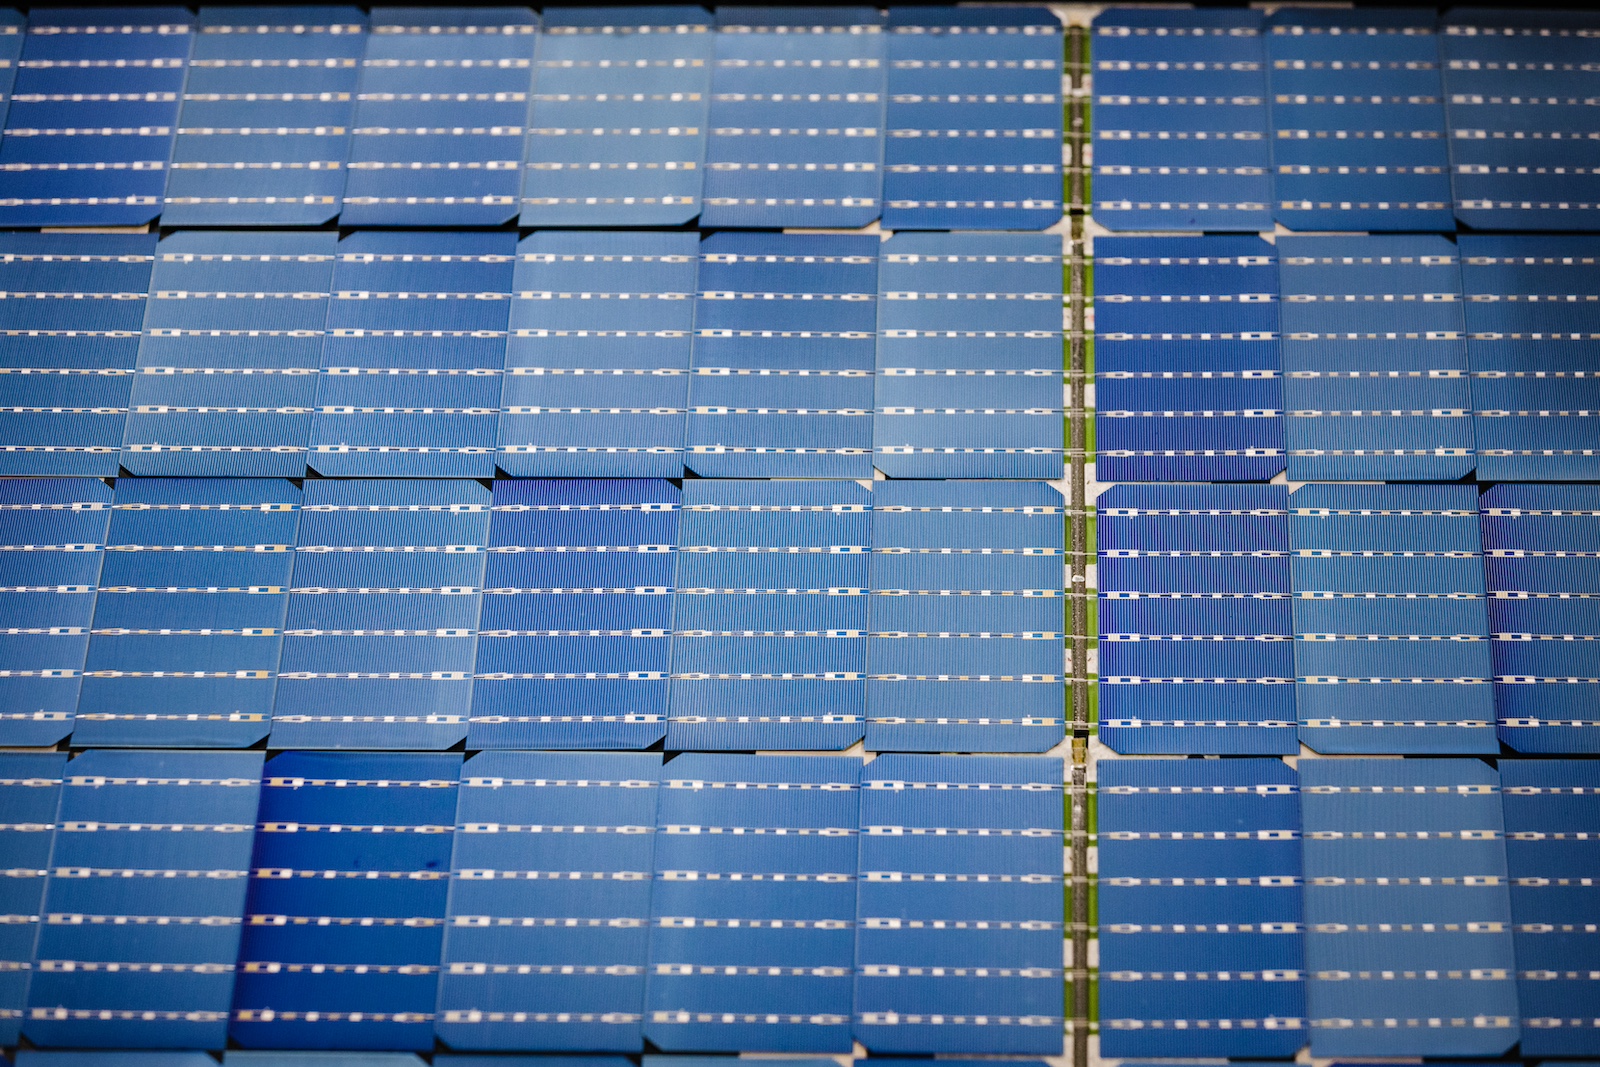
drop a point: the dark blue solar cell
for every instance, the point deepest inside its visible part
(119, 1058)
(146, 893)
(346, 910)
(445, 1059)
(30, 790)
(574, 641)
(11, 37)
(246, 1058)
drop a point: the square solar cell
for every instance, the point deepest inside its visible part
(30, 791)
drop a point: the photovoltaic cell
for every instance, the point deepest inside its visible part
(30, 789)
(346, 910)
(1539, 544)
(1188, 382)
(617, 130)
(12, 24)
(247, 1058)
(446, 1059)
(782, 381)
(227, 370)
(55, 534)
(1200, 896)
(597, 357)
(1196, 650)
(969, 375)
(73, 307)
(1180, 120)
(189, 622)
(966, 617)
(574, 641)
(1408, 923)
(94, 109)
(381, 637)
(1358, 121)
(751, 916)
(1375, 359)
(142, 910)
(264, 133)
(769, 647)
(973, 119)
(440, 117)
(119, 1058)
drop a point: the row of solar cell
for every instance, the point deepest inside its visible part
(1368, 908)
(1356, 119)
(1381, 358)
(568, 354)
(929, 118)
(733, 615)
(255, 1058)
(533, 901)
(1351, 618)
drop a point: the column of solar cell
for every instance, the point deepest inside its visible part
(1543, 576)
(769, 644)
(966, 618)
(1408, 922)
(30, 789)
(974, 119)
(1533, 322)
(1180, 120)
(1196, 649)
(346, 909)
(94, 109)
(617, 129)
(73, 305)
(1358, 131)
(1523, 126)
(12, 24)
(440, 117)
(146, 894)
(415, 347)
(783, 357)
(796, 118)
(1188, 383)
(1374, 358)
(969, 357)
(597, 355)
(227, 370)
(189, 623)
(574, 641)
(1391, 629)
(55, 533)
(264, 133)
(381, 635)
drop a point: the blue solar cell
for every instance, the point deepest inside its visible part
(346, 910)
(1196, 650)
(73, 308)
(245, 1058)
(574, 641)
(550, 903)
(1358, 123)
(445, 1059)
(1408, 923)
(143, 907)
(381, 635)
(227, 369)
(1180, 120)
(796, 118)
(1200, 893)
(959, 905)
(1375, 359)
(1533, 321)
(769, 647)
(750, 933)
(11, 37)
(966, 618)
(119, 1058)
(1188, 382)
(440, 117)
(783, 357)
(973, 119)
(617, 129)
(969, 357)
(597, 357)
(94, 109)
(264, 133)
(54, 534)
(189, 621)
(30, 790)
(1544, 620)
(415, 349)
